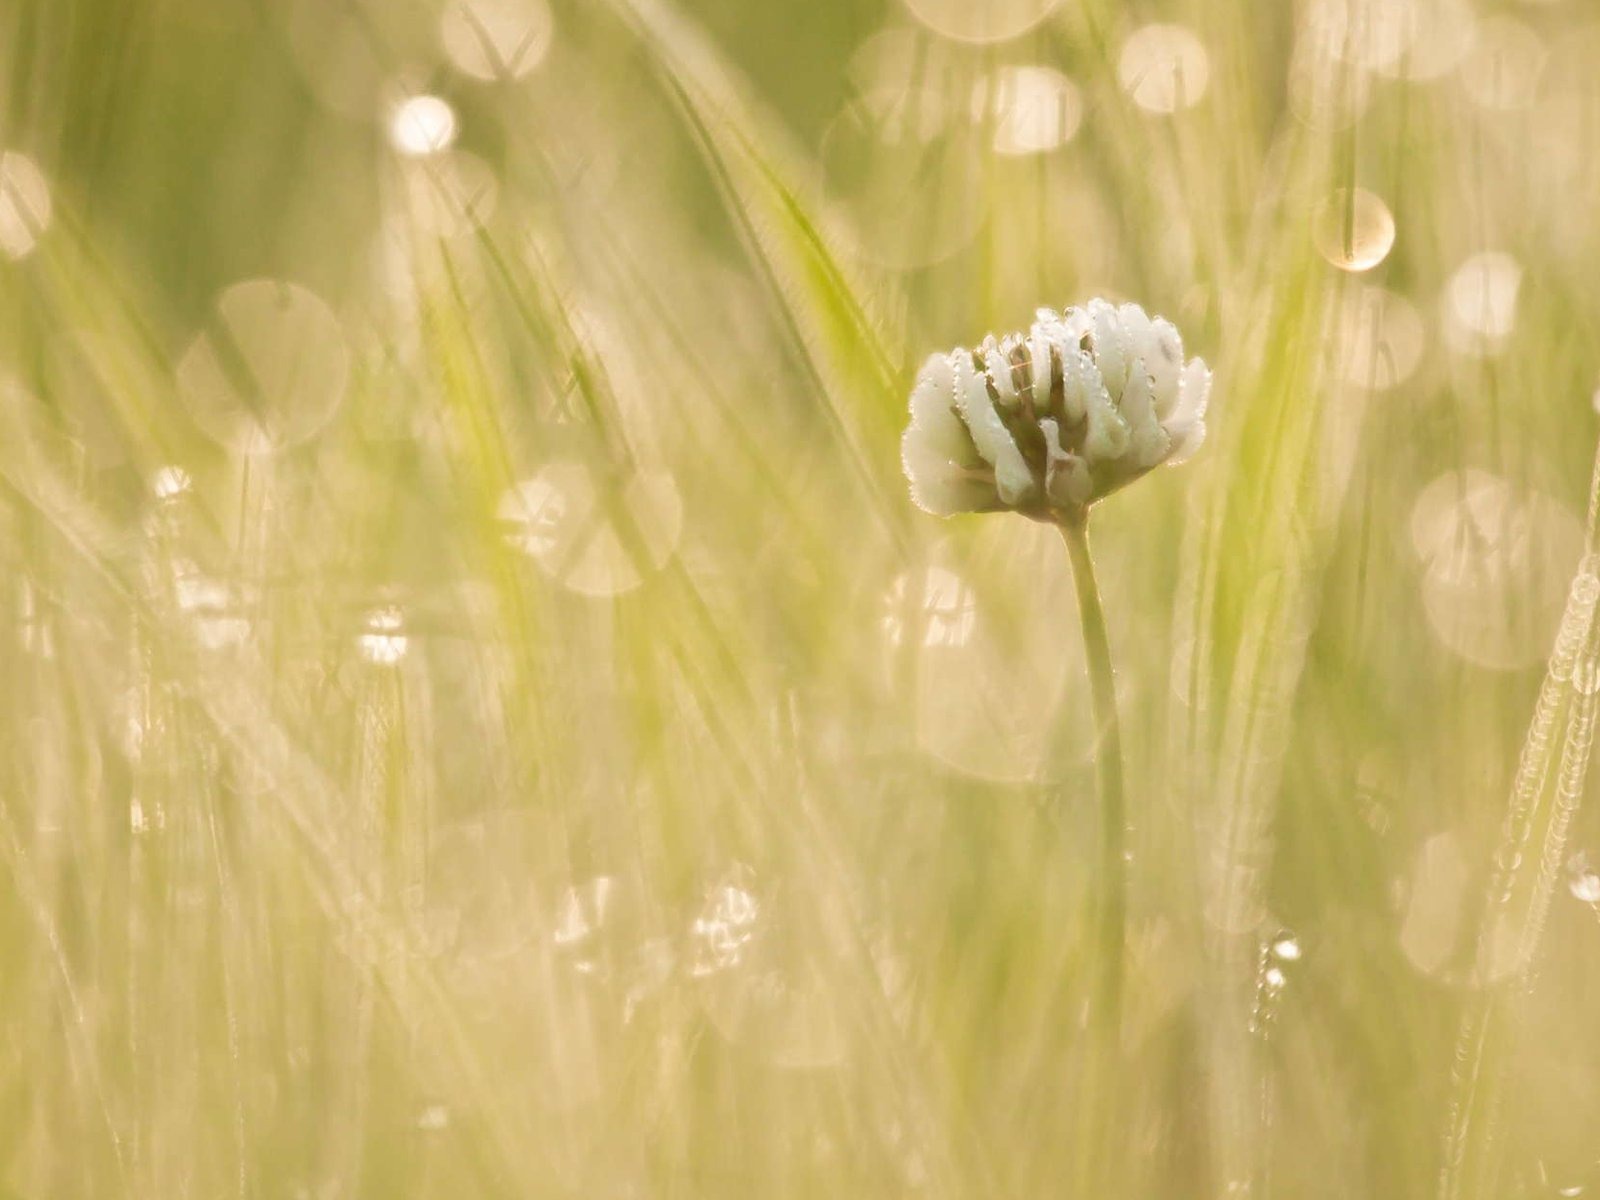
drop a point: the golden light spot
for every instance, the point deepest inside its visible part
(1164, 68)
(496, 39)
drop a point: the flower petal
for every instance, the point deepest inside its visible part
(1187, 426)
(1110, 346)
(1148, 443)
(1013, 480)
(1107, 435)
(1194, 392)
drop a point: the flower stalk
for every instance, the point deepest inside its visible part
(1112, 899)
(1046, 423)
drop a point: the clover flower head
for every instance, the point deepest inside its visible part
(1051, 420)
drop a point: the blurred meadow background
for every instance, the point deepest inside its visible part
(482, 718)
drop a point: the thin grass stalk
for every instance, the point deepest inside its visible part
(1573, 651)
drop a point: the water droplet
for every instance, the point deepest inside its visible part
(496, 39)
(1353, 229)
(1164, 68)
(422, 125)
(1286, 948)
(24, 205)
(1274, 979)
(1586, 676)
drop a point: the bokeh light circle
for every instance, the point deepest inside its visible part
(422, 125)
(1379, 339)
(1480, 302)
(1033, 110)
(1164, 68)
(496, 40)
(271, 369)
(1496, 561)
(981, 21)
(1501, 73)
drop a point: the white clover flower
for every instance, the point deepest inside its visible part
(1049, 421)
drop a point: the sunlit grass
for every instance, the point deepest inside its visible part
(483, 716)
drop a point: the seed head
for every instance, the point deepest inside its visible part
(1049, 421)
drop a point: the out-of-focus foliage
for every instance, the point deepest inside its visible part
(482, 717)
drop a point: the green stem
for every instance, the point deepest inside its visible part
(1108, 775)
(1106, 1012)
(1098, 1160)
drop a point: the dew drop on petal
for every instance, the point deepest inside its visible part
(1164, 68)
(25, 208)
(1353, 229)
(422, 125)
(496, 39)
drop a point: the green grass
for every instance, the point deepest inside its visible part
(575, 768)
